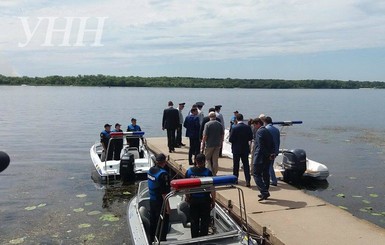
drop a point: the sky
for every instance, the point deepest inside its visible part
(250, 39)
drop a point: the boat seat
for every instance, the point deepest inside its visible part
(134, 151)
(183, 210)
(145, 216)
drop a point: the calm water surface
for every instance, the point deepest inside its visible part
(48, 197)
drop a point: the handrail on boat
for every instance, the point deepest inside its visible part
(204, 184)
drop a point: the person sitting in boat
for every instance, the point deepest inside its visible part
(117, 143)
(104, 139)
(133, 127)
(159, 186)
(200, 203)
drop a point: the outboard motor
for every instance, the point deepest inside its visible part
(294, 163)
(127, 167)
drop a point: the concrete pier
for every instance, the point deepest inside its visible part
(289, 216)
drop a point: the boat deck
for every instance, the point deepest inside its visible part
(289, 216)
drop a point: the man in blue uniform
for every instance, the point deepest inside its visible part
(117, 143)
(104, 139)
(191, 123)
(133, 127)
(200, 203)
(159, 186)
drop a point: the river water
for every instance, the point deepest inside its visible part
(47, 195)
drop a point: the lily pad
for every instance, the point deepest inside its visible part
(81, 195)
(366, 201)
(88, 237)
(84, 226)
(370, 187)
(383, 213)
(126, 193)
(364, 210)
(341, 195)
(88, 204)
(355, 196)
(109, 217)
(373, 195)
(30, 208)
(41, 205)
(376, 214)
(94, 213)
(105, 225)
(343, 207)
(78, 210)
(351, 177)
(17, 241)
(71, 178)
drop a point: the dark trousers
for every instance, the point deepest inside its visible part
(171, 139)
(118, 146)
(262, 175)
(200, 216)
(246, 167)
(110, 153)
(194, 149)
(155, 211)
(179, 135)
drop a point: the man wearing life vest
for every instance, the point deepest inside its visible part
(133, 127)
(117, 143)
(104, 139)
(159, 186)
(200, 203)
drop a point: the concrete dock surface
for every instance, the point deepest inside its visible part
(289, 216)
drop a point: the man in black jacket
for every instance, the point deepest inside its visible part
(170, 122)
(240, 138)
(263, 154)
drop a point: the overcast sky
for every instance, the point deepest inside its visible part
(285, 39)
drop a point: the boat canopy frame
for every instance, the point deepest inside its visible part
(207, 186)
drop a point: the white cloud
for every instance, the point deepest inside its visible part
(142, 30)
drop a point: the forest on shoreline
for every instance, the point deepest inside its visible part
(185, 82)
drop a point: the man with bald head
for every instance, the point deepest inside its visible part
(212, 141)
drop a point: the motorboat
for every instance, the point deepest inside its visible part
(134, 161)
(294, 161)
(223, 229)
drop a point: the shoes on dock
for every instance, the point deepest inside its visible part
(263, 197)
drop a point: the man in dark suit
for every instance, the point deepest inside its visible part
(240, 138)
(170, 122)
(263, 154)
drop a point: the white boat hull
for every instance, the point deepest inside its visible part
(111, 168)
(314, 169)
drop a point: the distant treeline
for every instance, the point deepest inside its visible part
(186, 82)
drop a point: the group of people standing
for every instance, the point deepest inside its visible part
(114, 150)
(205, 134)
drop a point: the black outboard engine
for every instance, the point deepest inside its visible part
(294, 163)
(127, 167)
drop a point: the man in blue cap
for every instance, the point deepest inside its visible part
(104, 139)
